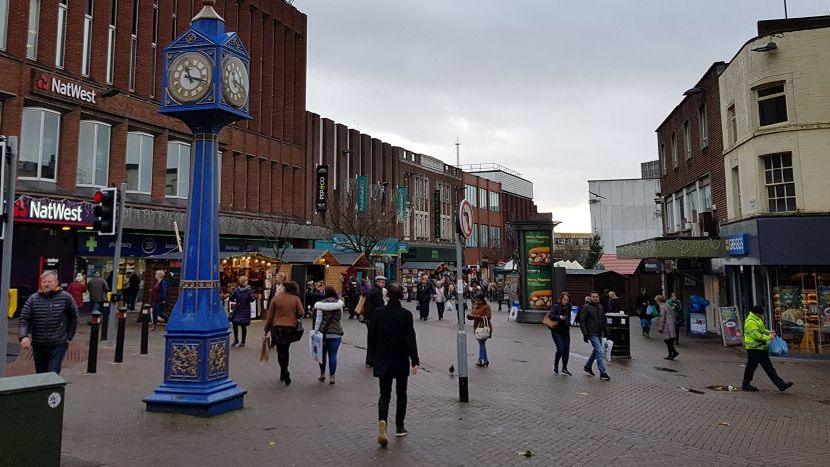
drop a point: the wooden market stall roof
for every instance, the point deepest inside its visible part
(309, 256)
(177, 255)
(348, 258)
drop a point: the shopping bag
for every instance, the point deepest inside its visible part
(514, 312)
(607, 346)
(449, 309)
(360, 304)
(264, 352)
(778, 347)
(315, 344)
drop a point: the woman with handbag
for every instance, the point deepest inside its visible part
(243, 295)
(332, 309)
(559, 323)
(441, 297)
(483, 327)
(665, 326)
(282, 321)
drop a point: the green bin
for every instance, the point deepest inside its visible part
(31, 416)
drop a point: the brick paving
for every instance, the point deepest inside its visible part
(641, 417)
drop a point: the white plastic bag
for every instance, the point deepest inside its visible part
(607, 346)
(315, 344)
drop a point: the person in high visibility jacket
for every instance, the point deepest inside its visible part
(756, 339)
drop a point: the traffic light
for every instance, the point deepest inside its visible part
(106, 202)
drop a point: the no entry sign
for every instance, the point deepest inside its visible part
(465, 218)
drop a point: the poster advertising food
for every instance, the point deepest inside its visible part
(697, 324)
(538, 271)
(730, 326)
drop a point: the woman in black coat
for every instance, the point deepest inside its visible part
(561, 313)
(395, 349)
(243, 295)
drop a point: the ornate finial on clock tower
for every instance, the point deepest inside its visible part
(207, 11)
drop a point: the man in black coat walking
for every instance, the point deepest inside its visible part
(395, 350)
(374, 301)
(47, 323)
(424, 295)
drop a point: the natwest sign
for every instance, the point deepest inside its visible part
(72, 90)
(28, 209)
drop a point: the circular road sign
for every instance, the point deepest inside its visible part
(465, 218)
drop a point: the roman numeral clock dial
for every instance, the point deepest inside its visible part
(235, 82)
(190, 77)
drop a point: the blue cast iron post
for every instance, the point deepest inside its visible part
(206, 84)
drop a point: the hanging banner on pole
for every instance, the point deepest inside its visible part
(322, 187)
(437, 216)
(400, 203)
(362, 193)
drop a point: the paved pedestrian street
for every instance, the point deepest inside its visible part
(643, 416)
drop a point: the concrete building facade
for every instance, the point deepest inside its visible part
(624, 211)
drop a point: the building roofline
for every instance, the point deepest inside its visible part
(779, 31)
(622, 179)
(697, 84)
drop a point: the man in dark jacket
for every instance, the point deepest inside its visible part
(131, 292)
(98, 288)
(424, 295)
(396, 356)
(47, 323)
(374, 301)
(592, 323)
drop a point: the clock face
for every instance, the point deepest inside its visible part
(235, 82)
(189, 77)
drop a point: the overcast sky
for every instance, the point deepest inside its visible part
(562, 91)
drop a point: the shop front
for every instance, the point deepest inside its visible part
(783, 265)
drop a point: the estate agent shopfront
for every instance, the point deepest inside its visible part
(783, 264)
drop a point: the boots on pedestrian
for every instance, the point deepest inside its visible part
(785, 386)
(588, 370)
(748, 387)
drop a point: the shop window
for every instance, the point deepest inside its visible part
(60, 37)
(4, 22)
(778, 177)
(801, 306)
(32, 32)
(687, 139)
(86, 51)
(772, 104)
(177, 176)
(93, 153)
(111, 41)
(139, 162)
(703, 126)
(39, 144)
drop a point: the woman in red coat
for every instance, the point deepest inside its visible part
(77, 289)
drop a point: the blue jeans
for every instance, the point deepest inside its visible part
(563, 349)
(596, 342)
(482, 352)
(330, 348)
(48, 358)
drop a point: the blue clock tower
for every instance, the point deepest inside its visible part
(206, 85)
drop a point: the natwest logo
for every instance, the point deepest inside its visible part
(72, 90)
(52, 211)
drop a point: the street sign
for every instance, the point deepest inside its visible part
(465, 218)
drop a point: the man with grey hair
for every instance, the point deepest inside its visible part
(47, 323)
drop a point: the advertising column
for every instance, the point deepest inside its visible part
(538, 273)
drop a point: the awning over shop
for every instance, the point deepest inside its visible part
(672, 248)
(625, 267)
(425, 265)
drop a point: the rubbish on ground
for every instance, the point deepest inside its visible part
(583, 394)
(272, 443)
(722, 423)
(693, 391)
(722, 387)
(662, 368)
(525, 453)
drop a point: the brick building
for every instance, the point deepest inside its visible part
(486, 248)
(82, 86)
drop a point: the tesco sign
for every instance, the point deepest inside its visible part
(71, 90)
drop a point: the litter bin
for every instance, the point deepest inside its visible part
(617, 324)
(31, 413)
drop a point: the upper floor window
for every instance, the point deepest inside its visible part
(687, 139)
(472, 241)
(494, 201)
(177, 177)
(134, 44)
(140, 162)
(778, 178)
(663, 162)
(674, 150)
(60, 37)
(484, 236)
(4, 22)
(31, 36)
(495, 236)
(111, 41)
(93, 153)
(703, 125)
(772, 104)
(39, 144)
(731, 124)
(482, 198)
(86, 51)
(470, 192)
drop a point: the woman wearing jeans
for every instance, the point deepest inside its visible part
(332, 310)
(482, 316)
(561, 312)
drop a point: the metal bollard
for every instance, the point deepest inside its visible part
(121, 316)
(145, 328)
(92, 358)
(105, 320)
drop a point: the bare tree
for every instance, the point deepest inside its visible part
(493, 254)
(570, 252)
(368, 227)
(279, 230)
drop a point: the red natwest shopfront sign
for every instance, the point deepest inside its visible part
(28, 209)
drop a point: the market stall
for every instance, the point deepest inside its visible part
(350, 264)
(303, 265)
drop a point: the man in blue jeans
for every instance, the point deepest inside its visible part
(47, 323)
(592, 323)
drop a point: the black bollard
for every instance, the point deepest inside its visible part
(105, 320)
(145, 328)
(121, 316)
(92, 358)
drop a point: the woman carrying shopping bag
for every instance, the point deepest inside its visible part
(282, 321)
(331, 308)
(483, 327)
